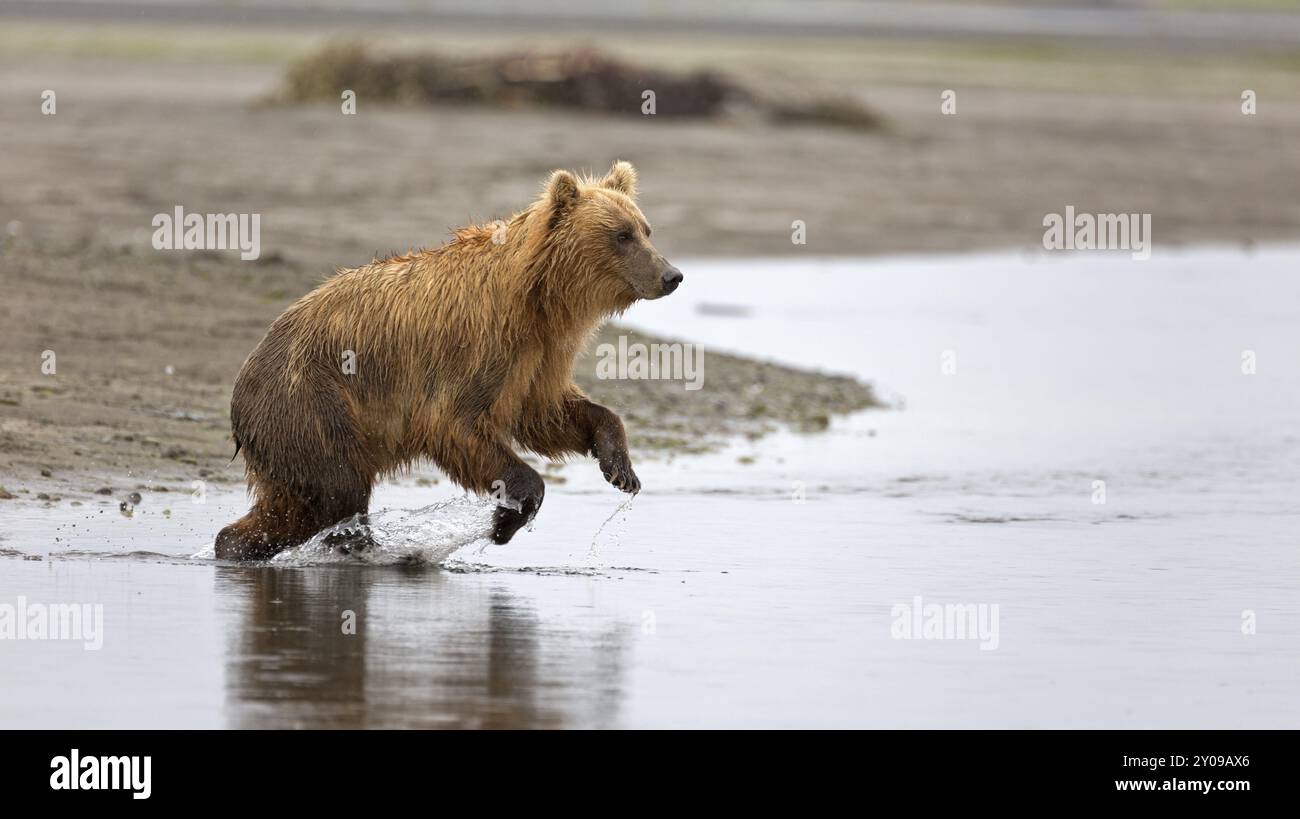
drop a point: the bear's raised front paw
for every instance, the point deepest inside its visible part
(617, 469)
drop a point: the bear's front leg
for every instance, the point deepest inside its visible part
(609, 445)
(581, 426)
(480, 461)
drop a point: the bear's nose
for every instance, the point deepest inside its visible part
(672, 278)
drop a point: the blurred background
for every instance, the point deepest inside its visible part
(828, 112)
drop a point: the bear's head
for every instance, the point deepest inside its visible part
(598, 231)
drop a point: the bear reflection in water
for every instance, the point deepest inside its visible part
(345, 649)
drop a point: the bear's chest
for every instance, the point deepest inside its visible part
(537, 380)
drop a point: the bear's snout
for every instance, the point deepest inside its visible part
(672, 277)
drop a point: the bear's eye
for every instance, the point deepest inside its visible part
(625, 236)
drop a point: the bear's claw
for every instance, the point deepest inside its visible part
(617, 469)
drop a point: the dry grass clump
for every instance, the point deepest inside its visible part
(582, 78)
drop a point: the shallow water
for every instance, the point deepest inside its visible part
(734, 593)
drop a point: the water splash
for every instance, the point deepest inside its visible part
(428, 535)
(619, 528)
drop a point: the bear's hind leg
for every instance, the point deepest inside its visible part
(281, 519)
(246, 539)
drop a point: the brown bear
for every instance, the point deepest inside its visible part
(456, 354)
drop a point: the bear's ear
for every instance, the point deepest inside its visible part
(561, 190)
(621, 178)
